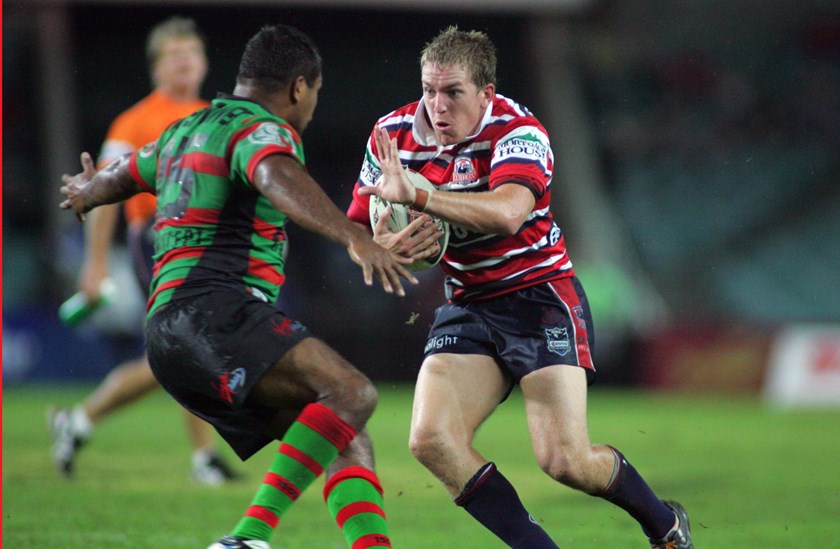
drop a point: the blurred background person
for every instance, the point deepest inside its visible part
(178, 66)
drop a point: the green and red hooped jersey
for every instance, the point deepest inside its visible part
(212, 227)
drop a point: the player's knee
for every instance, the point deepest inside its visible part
(429, 444)
(357, 395)
(563, 468)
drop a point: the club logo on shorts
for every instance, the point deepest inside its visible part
(229, 384)
(557, 340)
(286, 327)
(581, 321)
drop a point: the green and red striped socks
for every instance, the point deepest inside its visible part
(309, 446)
(354, 498)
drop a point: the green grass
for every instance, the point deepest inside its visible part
(750, 478)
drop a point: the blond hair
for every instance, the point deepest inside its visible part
(174, 27)
(472, 50)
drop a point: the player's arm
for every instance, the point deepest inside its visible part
(291, 190)
(101, 226)
(99, 234)
(500, 211)
(89, 189)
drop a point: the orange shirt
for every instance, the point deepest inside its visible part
(140, 124)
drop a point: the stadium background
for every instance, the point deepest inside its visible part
(697, 150)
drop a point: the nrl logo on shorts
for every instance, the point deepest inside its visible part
(557, 340)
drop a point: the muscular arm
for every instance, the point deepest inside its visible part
(500, 211)
(291, 190)
(90, 189)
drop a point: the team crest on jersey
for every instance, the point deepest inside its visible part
(557, 340)
(463, 171)
(269, 134)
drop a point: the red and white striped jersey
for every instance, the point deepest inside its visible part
(510, 146)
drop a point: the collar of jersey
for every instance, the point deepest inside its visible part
(230, 97)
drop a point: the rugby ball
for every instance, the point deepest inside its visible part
(402, 215)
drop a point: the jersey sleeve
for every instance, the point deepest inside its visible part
(119, 140)
(523, 156)
(143, 166)
(369, 175)
(256, 142)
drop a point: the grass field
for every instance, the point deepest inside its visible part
(750, 478)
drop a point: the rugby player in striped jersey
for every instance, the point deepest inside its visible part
(227, 178)
(515, 314)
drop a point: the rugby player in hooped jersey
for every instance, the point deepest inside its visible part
(515, 313)
(226, 179)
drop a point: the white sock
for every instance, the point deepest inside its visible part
(202, 456)
(80, 421)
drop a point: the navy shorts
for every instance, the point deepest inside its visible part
(210, 350)
(524, 330)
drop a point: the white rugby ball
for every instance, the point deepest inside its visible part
(402, 215)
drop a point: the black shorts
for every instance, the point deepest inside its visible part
(209, 351)
(524, 331)
(141, 247)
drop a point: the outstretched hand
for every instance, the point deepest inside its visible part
(394, 185)
(74, 186)
(378, 261)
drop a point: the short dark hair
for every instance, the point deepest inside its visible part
(277, 55)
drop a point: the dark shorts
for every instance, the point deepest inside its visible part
(524, 331)
(141, 247)
(209, 351)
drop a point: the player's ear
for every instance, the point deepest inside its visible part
(488, 92)
(297, 89)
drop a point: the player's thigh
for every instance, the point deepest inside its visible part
(555, 404)
(455, 393)
(307, 372)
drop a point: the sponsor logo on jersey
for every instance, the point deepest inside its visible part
(554, 234)
(557, 340)
(463, 171)
(523, 146)
(440, 342)
(369, 174)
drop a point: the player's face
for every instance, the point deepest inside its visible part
(181, 65)
(454, 103)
